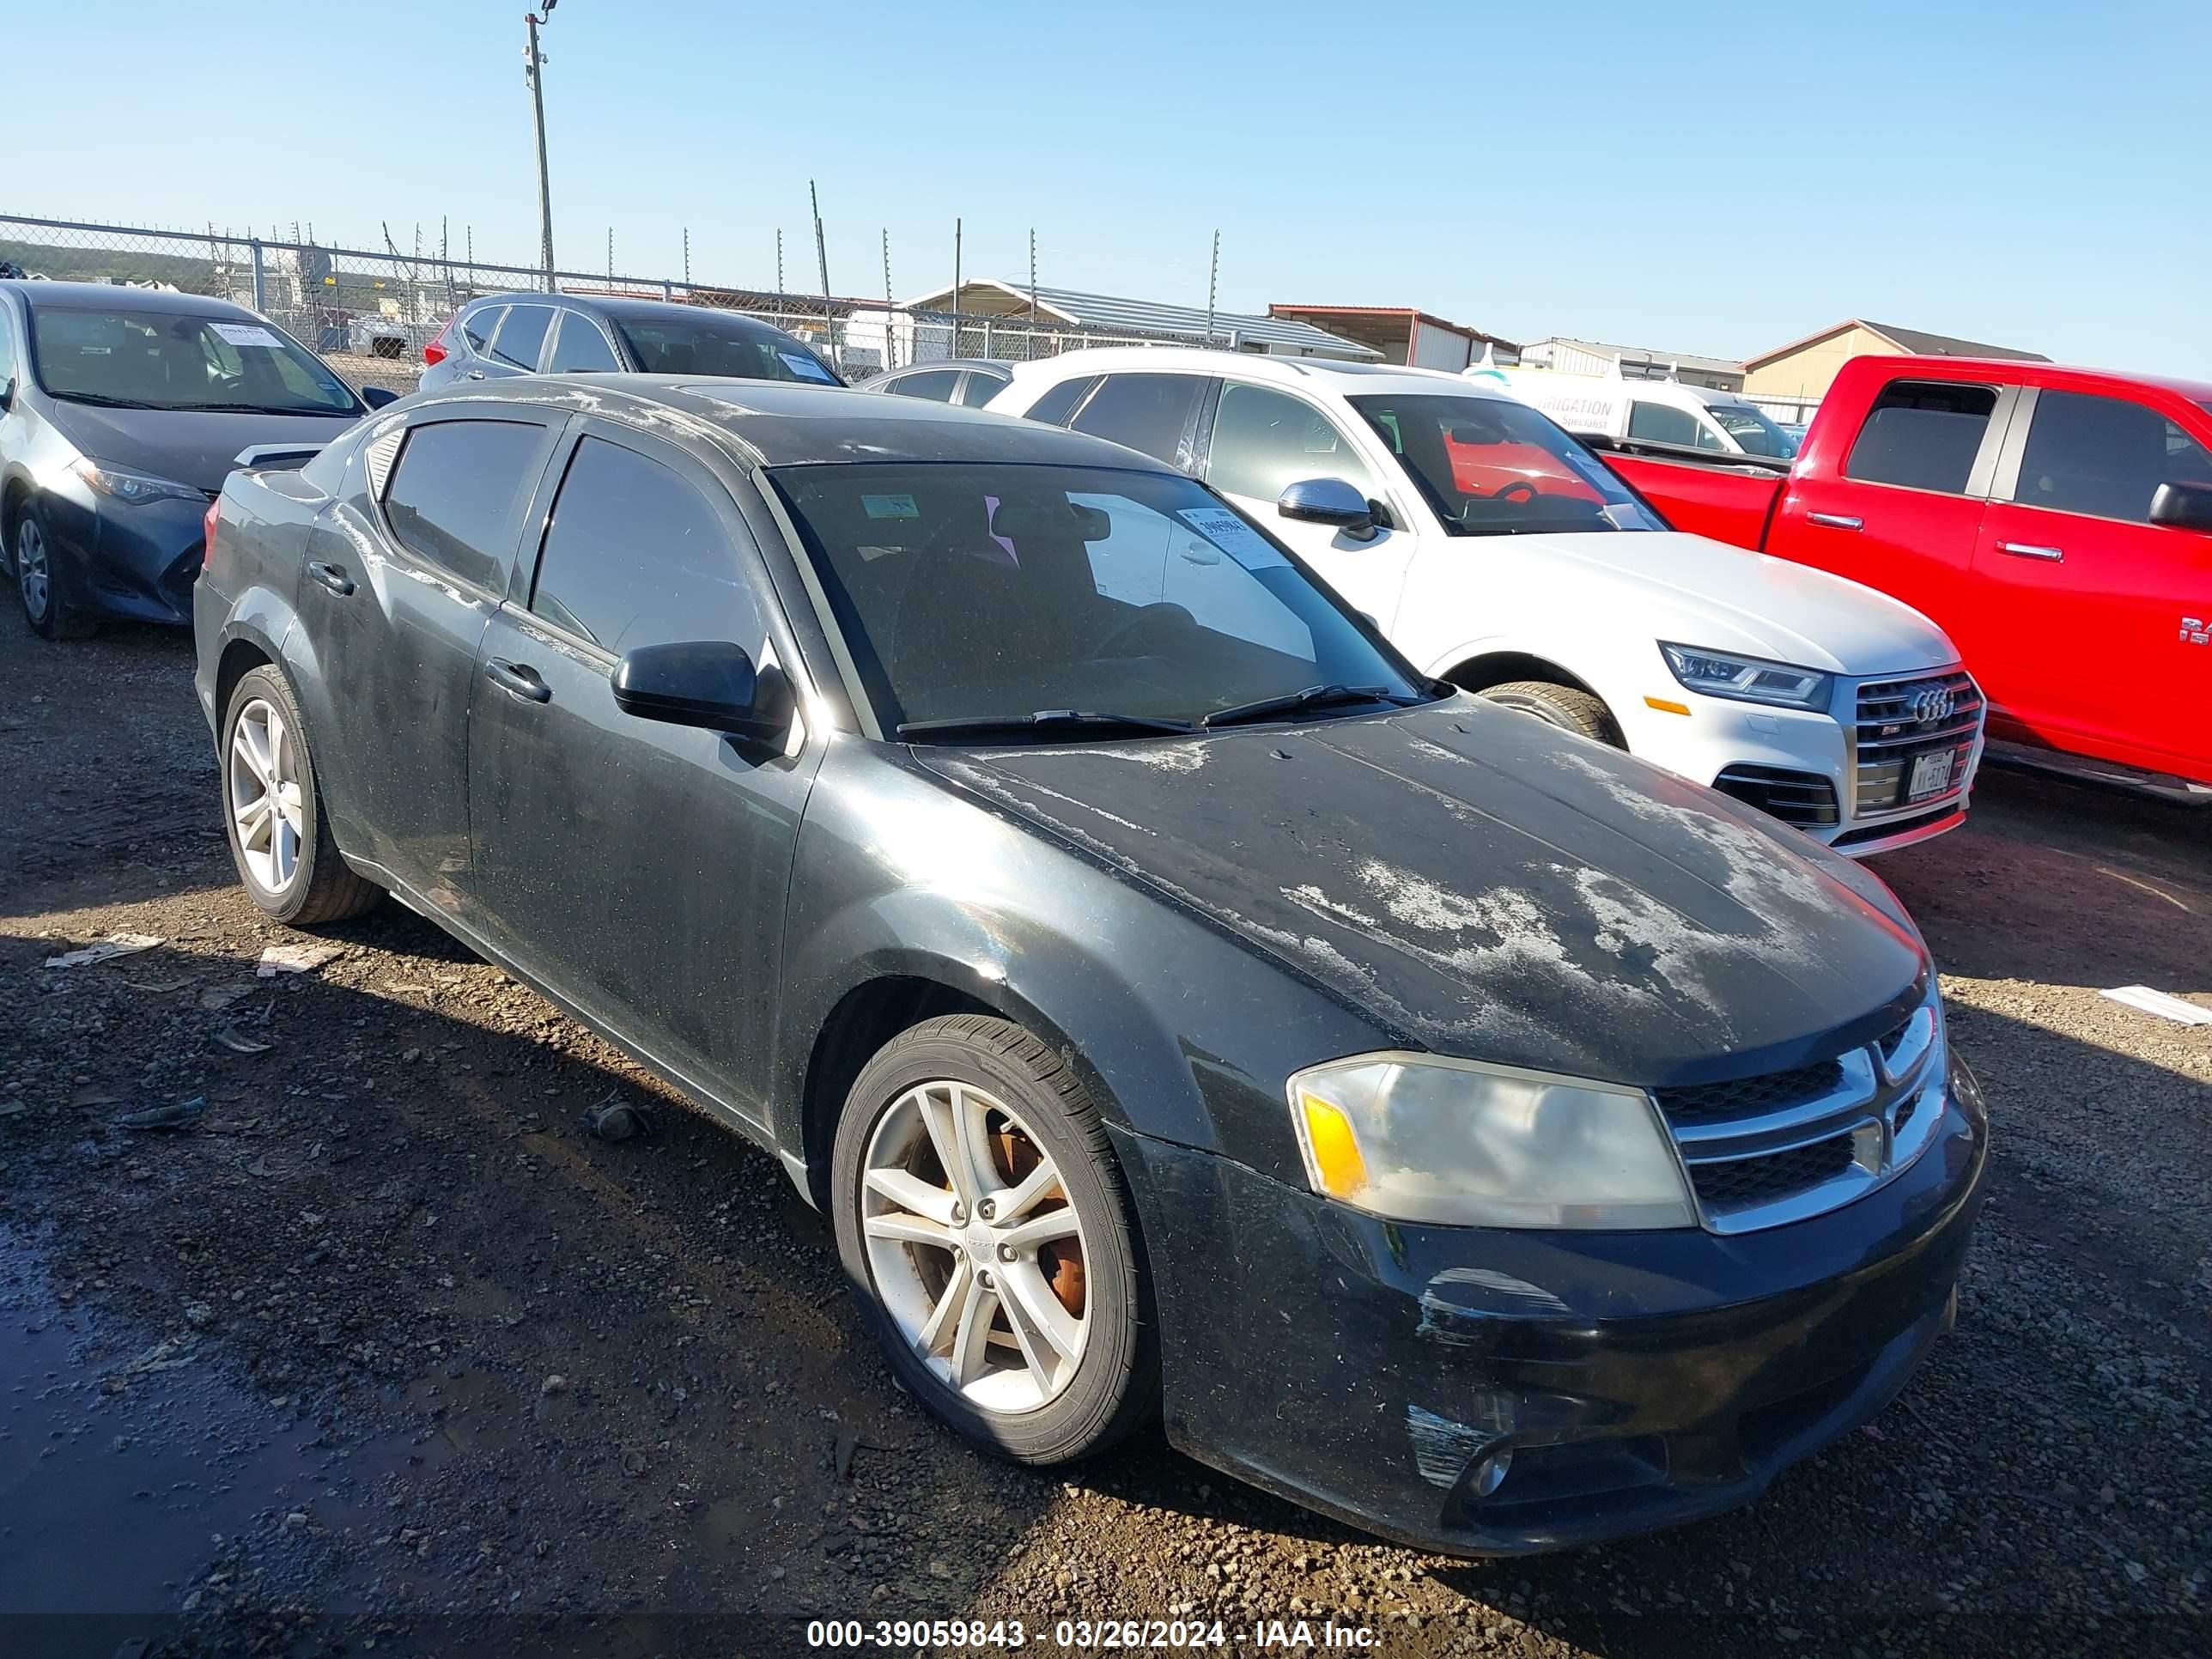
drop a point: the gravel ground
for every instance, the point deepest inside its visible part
(384, 1352)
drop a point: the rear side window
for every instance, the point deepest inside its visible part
(1264, 441)
(980, 389)
(457, 492)
(1923, 435)
(7, 346)
(521, 336)
(1057, 404)
(478, 326)
(936, 384)
(1659, 424)
(2104, 456)
(635, 556)
(580, 348)
(1145, 411)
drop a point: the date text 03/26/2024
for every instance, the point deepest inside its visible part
(904, 1635)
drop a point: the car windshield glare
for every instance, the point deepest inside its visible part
(982, 593)
(170, 360)
(1492, 467)
(733, 346)
(1750, 426)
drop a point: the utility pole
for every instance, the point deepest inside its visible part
(1212, 283)
(1033, 308)
(956, 287)
(687, 257)
(779, 260)
(534, 72)
(888, 363)
(822, 262)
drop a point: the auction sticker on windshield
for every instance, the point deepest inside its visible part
(1232, 536)
(806, 369)
(247, 334)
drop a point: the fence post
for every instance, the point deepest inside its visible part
(986, 336)
(667, 288)
(260, 280)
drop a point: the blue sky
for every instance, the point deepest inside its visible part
(1716, 179)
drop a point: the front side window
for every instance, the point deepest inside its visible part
(936, 384)
(1147, 412)
(456, 496)
(1755, 432)
(1264, 441)
(978, 592)
(717, 343)
(635, 556)
(478, 326)
(1491, 466)
(2105, 457)
(131, 359)
(522, 336)
(1923, 435)
(580, 348)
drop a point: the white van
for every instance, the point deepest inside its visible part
(1656, 412)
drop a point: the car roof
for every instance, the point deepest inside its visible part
(995, 365)
(85, 296)
(614, 306)
(782, 423)
(1314, 374)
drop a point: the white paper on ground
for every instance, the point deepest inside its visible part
(2157, 1002)
(294, 959)
(116, 944)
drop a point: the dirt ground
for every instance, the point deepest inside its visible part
(382, 1352)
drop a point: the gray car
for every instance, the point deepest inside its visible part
(971, 382)
(121, 411)
(503, 335)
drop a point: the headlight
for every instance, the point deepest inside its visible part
(1423, 1138)
(1746, 679)
(133, 488)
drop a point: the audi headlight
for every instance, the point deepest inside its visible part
(133, 488)
(1423, 1138)
(1748, 679)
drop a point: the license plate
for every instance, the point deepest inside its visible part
(1931, 774)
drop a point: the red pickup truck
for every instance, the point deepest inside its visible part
(2056, 522)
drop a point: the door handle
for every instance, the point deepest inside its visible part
(475, 375)
(332, 576)
(518, 682)
(2029, 550)
(1836, 520)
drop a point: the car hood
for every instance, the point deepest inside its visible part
(1739, 601)
(193, 447)
(1481, 885)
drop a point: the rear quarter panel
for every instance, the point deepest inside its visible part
(246, 592)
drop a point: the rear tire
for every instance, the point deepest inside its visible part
(273, 810)
(1045, 1168)
(44, 581)
(1562, 706)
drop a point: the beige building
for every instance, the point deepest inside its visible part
(1801, 371)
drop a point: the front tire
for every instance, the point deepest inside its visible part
(1562, 706)
(986, 1231)
(273, 810)
(43, 580)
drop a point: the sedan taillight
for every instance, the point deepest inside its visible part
(434, 352)
(207, 533)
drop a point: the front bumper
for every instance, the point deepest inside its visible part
(1369, 1370)
(135, 563)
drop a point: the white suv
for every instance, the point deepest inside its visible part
(1498, 553)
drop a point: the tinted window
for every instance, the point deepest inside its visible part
(520, 336)
(1145, 411)
(670, 342)
(969, 590)
(1923, 435)
(2104, 456)
(635, 556)
(1659, 424)
(458, 490)
(936, 384)
(7, 347)
(478, 325)
(1264, 441)
(1057, 403)
(981, 387)
(580, 348)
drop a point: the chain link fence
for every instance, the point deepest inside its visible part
(370, 314)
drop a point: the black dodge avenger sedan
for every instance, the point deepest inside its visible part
(1180, 1007)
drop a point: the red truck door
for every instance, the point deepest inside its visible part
(1902, 510)
(2093, 616)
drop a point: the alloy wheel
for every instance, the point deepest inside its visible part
(34, 575)
(267, 806)
(976, 1252)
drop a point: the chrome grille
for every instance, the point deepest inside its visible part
(1897, 721)
(1782, 1146)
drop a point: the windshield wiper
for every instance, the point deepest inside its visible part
(1314, 696)
(254, 409)
(1043, 718)
(105, 402)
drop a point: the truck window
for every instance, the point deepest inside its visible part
(2104, 456)
(1658, 423)
(1923, 435)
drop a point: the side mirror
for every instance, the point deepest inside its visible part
(377, 396)
(2183, 507)
(707, 683)
(7, 396)
(1329, 502)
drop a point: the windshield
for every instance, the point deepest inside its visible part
(1749, 426)
(976, 591)
(1494, 467)
(168, 360)
(711, 344)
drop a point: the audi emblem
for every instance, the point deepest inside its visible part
(1934, 705)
